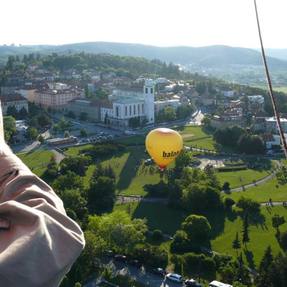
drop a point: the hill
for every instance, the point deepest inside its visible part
(277, 53)
(234, 64)
(209, 56)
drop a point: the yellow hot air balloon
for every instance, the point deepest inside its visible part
(163, 145)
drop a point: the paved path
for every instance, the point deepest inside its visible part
(58, 156)
(274, 203)
(256, 183)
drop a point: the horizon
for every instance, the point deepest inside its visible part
(140, 44)
(188, 23)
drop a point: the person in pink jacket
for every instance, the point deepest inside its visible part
(38, 241)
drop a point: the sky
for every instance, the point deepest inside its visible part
(152, 22)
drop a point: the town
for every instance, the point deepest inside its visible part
(216, 215)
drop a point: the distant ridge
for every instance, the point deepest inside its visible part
(218, 56)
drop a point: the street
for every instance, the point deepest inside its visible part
(140, 275)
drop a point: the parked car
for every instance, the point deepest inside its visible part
(191, 283)
(218, 284)
(109, 253)
(159, 271)
(174, 277)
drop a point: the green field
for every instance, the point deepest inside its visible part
(262, 193)
(241, 177)
(158, 216)
(192, 136)
(224, 228)
(73, 151)
(37, 160)
(197, 137)
(261, 236)
(282, 89)
(131, 173)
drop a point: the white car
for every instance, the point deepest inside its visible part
(174, 277)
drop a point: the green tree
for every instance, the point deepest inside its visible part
(245, 231)
(263, 280)
(12, 111)
(87, 263)
(22, 114)
(197, 229)
(9, 127)
(69, 180)
(277, 220)
(248, 206)
(180, 242)
(251, 144)
(121, 233)
(77, 164)
(199, 266)
(32, 133)
(182, 160)
(51, 171)
(83, 133)
(236, 243)
(75, 203)
(226, 186)
(184, 111)
(64, 125)
(101, 195)
(41, 139)
(43, 120)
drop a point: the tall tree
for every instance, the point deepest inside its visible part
(101, 195)
(236, 243)
(263, 280)
(245, 231)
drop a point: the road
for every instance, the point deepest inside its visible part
(140, 275)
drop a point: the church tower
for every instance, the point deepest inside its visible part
(148, 89)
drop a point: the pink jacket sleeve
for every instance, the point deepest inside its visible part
(41, 242)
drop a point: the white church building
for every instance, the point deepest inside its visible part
(125, 105)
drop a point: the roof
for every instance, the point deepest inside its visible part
(128, 101)
(12, 98)
(272, 119)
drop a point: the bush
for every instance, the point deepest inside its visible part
(232, 168)
(199, 265)
(151, 256)
(226, 186)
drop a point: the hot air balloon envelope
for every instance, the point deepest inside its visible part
(163, 145)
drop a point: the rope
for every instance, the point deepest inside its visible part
(275, 109)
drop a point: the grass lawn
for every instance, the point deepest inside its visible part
(224, 228)
(262, 193)
(281, 89)
(37, 160)
(196, 136)
(131, 174)
(158, 216)
(241, 177)
(73, 151)
(260, 236)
